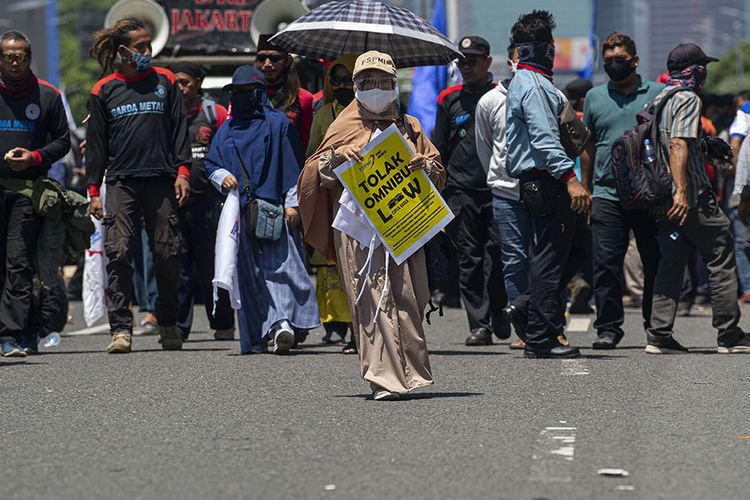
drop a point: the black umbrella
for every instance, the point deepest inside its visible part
(353, 27)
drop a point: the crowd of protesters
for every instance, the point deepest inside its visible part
(526, 168)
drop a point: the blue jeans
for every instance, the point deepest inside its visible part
(741, 249)
(514, 226)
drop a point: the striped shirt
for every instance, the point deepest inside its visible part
(681, 119)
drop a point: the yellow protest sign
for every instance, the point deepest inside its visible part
(403, 206)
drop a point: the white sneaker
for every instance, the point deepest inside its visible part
(384, 395)
(283, 341)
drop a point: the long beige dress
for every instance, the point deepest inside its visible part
(391, 340)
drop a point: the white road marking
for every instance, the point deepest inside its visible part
(578, 325)
(574, 367)
(94, 330)
(553, 455)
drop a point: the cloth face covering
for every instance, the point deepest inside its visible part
(540, 55)
(376, 100)
(141, 61)
(246, 101)
(343, 95)
(619, 70)
(693, 77)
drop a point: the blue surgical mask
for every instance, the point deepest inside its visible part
(141, 61)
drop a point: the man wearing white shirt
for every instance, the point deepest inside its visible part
(511, 215)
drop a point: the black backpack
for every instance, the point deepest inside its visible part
(438, 251)
(640, 185)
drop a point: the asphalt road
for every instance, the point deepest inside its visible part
(76, 423)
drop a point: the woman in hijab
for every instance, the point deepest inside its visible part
(259, 147)
(392, 346)
(338, 93)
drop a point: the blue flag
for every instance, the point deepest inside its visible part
(588, 71)
(429, 81)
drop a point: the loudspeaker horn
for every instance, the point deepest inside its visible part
(272, 16)
(148, 11)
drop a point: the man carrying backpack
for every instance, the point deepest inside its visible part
(694, 219)
(199, 217)
(609, 110)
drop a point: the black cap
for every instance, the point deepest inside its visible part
(687, 54)
(191, 68)
(474, 45)
(577, 88)
(246, 75)
(264, 43)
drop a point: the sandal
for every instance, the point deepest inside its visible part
(350, 348)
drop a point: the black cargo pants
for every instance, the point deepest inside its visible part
(19, 229)
(127, 200)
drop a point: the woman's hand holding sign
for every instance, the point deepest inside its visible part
(418, 162)
(347, 152)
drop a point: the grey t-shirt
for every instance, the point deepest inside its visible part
(681, 119)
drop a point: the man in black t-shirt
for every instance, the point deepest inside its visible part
(199, 217)
(138, 134)
(33, 135)
(466, 192)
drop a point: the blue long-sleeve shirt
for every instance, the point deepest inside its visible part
(533, 127)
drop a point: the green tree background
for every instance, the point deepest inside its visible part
(78, 72)
(723, 76)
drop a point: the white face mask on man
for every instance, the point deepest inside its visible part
(376, 100)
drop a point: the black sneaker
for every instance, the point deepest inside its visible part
(606, 340)
(480, 336)
(515, 317)
(666, 346)
(741, 347)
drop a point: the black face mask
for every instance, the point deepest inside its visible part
(619, 70)
(343, 95)
(245, 101)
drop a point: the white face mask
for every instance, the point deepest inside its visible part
(376, 100)
(513, 67)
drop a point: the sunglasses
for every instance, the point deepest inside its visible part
(469, 61)
(261, 58)
(336, 81)
(19, 58)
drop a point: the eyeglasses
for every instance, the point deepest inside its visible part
(337, 81)
(19, 57)
(261, 58)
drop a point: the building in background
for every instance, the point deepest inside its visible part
(656, 25)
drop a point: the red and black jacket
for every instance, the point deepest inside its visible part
(35, 121)
(137, 128)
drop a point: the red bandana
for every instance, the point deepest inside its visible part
(19, 90)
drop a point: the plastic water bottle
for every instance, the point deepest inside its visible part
(649, 155)
(51, 340)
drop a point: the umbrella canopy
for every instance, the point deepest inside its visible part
(354, 27)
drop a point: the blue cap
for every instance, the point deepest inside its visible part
(246, 75)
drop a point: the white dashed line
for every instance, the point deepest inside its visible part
(553, 455)
(94, 330)
(578, 325)
(574, 367)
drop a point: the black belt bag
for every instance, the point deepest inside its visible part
(264, 219)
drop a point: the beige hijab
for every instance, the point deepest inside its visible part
(355, 125)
